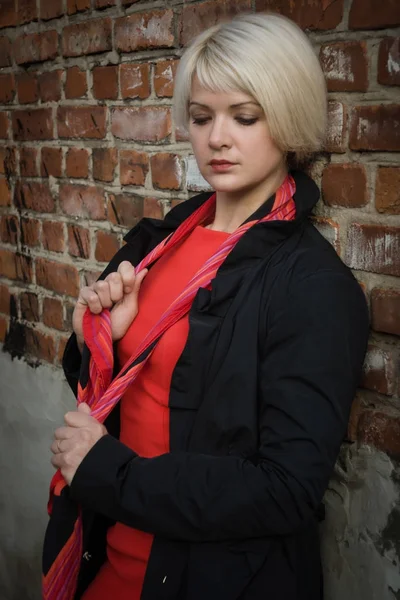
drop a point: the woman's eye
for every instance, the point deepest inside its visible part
(200, 120)
(247, 120)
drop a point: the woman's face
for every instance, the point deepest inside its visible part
(231, 142)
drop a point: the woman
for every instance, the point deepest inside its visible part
(238, 346)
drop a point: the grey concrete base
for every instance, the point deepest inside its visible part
(360, 536)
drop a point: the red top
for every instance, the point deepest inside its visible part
(144, 406)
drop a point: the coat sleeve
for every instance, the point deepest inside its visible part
(310, 368)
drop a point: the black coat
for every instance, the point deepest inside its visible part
(259, 404)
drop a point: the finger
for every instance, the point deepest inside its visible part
(56, 447)
(77, 418)
(127, 272)
(114, 280)
(84, 408)
(138, 281)
(102, 289)
(90, 298)
(63, 433)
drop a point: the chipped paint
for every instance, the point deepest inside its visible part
(194, 179)
(338, 64)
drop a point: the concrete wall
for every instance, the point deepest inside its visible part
(360, 536)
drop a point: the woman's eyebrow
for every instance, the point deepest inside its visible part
(231, 106)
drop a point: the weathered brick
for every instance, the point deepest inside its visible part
(345, 66)
(34, 195)
(381, 430)
(133, 167)
(7, 88)
(53, 313)
(308, 15)
(379, 371)
(337, 121)
(164, 76)
(5, 300)
(75, 83)
(8, 13)
(27, 11)
(99, 4)
(35, 47)
(143, 124)
(166, 171)
(107, 245)
(14, 265)
(344, 185)
(30, 232)
(39, 344)
(5, 51)
(3, 329)
(389, 61)
(88, 37)
(29, 307)
(142, 31)
(385, 310)
(51, 9)
(8, 161)
(55, 276)
(153, 208)
(27, 88)
(74, 6)
(9, 229)
(77, 163)
(104, 162)
(387, 191)
(329, 229)
(82, 122)
(105, 82)
(125, 209)
(5, 193)
(51, 162)
(198, 17)
(134, 80)
(4, 125)
(83, 201)
(62, 343)
(374, 248)
(53, 236)
(374, 14)
(28, 158)
(34, 124)
(375, 128)
(78, 241)
(8, 267)
(50, 86)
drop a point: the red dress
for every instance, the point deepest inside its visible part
(144, 406)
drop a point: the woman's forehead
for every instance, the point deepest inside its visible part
(205, 96)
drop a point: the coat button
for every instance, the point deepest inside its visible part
(87, 556)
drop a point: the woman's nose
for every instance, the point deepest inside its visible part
(219, 134)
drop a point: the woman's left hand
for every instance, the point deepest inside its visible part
(73, 442)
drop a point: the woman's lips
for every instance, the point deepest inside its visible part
(221, 165)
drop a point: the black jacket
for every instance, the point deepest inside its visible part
(259, 404)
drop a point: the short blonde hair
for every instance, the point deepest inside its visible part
(268, 57)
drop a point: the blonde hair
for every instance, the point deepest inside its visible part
(268, 57)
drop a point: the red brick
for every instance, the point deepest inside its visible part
(53, 313)
(29, 307)
(375, 128)
(8, 161)
(5, 193)
(385, 310)
(53, 236)
(153, 208)
(40, 345)
(142, 31)
(104, 162)
(77, 163)
(36, 47)
(166, 171)
(51, 162)
(78, 241)
(4, 125)
(28, 162)
(345, 66)
(134, 80)
(107, 245)
(128, 2)
(5, 51)
(83, 201)
(51, 9)
(87, 37)
(99, 4)
(30, 229)
(8, 13)
(105, 82)
(14, 265)
(374, 248)
(308, 15)
(27, 11)
(7, 88)
(125, 209)
(374, 14)
(32, 124)
(142, 124)
(55, 276)
(3, 329)
(82, 122)
(389, 61)
(164, 76)
(337, 121)
(387, 191)
(50, 86)
(344, 185)
(379, 371)
(329, 229)
(5, 300)
(75, 83)
(133, 167)
(27, 88)
(74, 6)
(9, 229)
(381, 430)
(34, 195)
(198, 17)
(62, 343)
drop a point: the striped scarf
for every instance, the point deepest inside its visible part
(102, 393)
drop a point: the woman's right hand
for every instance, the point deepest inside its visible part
(119, 291)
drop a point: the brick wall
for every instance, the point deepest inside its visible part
(88, 147)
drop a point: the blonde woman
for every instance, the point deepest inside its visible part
(216, 360)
